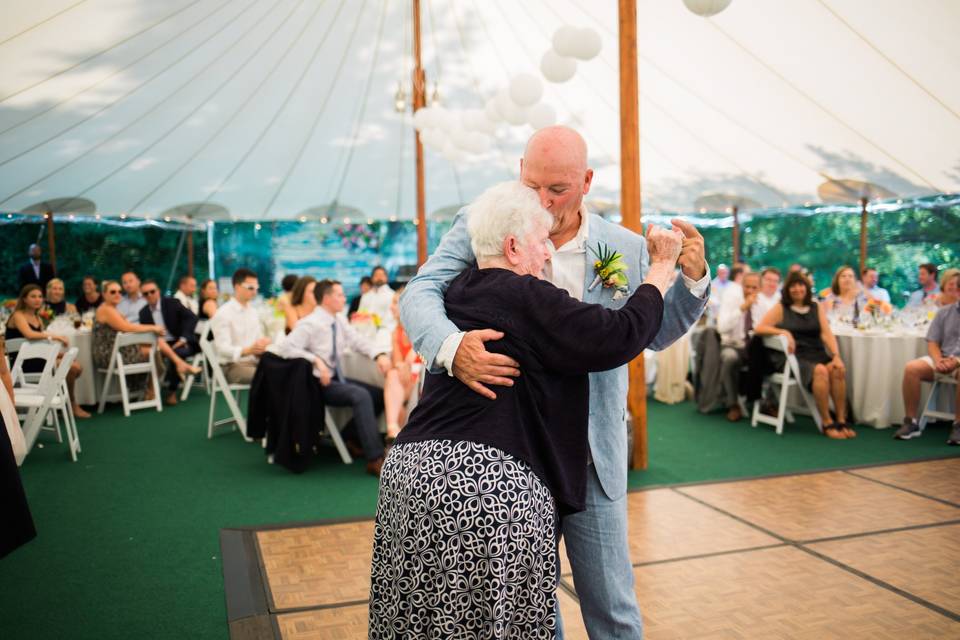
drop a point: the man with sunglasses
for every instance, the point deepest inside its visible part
(180, 325)
(236, 330)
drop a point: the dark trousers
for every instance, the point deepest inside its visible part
(367, 403)
(171, 381)
(759, 364)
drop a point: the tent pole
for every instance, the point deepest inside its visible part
(211, 256)
(190, 252)
(419, 101)
(736, 234)
(51, 241)
(630, 202)
(863, 234)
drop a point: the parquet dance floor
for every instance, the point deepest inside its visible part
(864, 553)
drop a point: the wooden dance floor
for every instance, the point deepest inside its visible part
(863, 553)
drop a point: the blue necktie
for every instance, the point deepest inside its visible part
(337, 373)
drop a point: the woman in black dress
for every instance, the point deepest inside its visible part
(208, 299)
(805, 325)
(56, 298)
(467, 526)
(17, 528)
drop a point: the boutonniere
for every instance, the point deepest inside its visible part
(610, 270)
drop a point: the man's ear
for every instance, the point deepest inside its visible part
(587, 181)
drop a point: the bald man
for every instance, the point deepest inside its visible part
(554, 164)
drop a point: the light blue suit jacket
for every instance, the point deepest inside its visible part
(425, 320)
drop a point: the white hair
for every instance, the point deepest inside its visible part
(505, 209)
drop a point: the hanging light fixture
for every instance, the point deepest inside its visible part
(400, 99)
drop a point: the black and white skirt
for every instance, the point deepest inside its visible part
(465, 546)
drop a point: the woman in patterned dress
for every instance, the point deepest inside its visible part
(466, 534)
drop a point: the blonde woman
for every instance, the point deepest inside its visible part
(57, 298)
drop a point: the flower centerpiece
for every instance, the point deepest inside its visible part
(610, 270)
(46, 315)
(877, 308)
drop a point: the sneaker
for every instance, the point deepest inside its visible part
(954, 438)
(909, 429)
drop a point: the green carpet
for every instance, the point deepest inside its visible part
(128, 536)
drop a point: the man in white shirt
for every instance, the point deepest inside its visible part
(869, 277)
(769, 294)
(131, 303)
(186, 294)
(236, 329)
(322, 337)
(378, 300)
(740, 312)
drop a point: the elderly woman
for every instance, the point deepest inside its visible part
(56, 298)
(471, 493)
(804, 323)
(302, 301)
(25, 322)
(845, 299)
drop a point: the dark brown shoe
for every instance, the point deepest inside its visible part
(734, 414)
(374, 466)
(354, 447)
(171, 399)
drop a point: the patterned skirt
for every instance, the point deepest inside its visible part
(465, 546)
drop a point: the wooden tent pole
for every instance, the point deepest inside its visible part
(630, 201)
(419, 101)
(190, 252)
(736, 234)
(863, 234)
(51, 241)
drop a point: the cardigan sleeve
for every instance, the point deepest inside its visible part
(574, 337)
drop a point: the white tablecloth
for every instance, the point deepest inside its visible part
(875, 365)
(86, 386)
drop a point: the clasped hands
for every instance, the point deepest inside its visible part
(325, 375)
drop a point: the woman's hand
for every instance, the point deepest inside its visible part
(663, 245)
(157, 329)
(791, 343)
(61, 339)
(837, 364)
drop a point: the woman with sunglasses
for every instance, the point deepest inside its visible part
(107, 324)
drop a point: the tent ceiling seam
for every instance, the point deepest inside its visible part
(42, 22)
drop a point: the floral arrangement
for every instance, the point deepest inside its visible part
(47, 315)
(878, 307)
(358, 237)
(365, 316)
(610, 270)
(10, 304)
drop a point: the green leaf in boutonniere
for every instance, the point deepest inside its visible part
(610, 270)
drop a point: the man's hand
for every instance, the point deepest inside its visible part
(946, 364)
(692, 260)
(748, 301)
(383, 363)
(475, 367)
(322, 369)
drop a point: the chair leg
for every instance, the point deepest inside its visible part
(927, 408)
(124, 394)
(782, 408)
(107, 381)
(213, 408)
(337, 439)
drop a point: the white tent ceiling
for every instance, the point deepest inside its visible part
(273, 108)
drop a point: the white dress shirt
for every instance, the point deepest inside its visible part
(235, 327)
(731, 317)
(130, 308)
(766, 302)
(188, 301)
(378, 300)
(567, 270)
(313, 338)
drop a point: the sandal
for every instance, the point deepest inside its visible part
(847, 429)
(834, 431)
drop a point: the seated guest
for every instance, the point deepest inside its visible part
(56, 298)
(236, 330)
(302, 301)
(379, 298)
(943, 356)
(723, 277)
(949, 288)
(287, 284)
(804, 323)
(845, 299)
(132, 301)
(25, 322)
(769, 294)
(796, 266)
(90, 299)
(926, 294)
(186, 294)
(365, 285)
(179, 324)
(35, 271)
(733, 284)
(208, 299)
(869, 278)
(322, 338)
(406, 362)
(739, 314)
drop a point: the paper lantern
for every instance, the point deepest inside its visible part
(525, 89)
(541, 115)
(706, 8)
(478, 142)
(557, 68)
(565, 40)
(587, 44)
(433, 138)
(509, 110)
(423, 118)
(492, 110)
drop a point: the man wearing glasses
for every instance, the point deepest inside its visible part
(237, 335)
(180, 325)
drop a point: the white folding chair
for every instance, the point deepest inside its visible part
(230, 390)
(50, 399)
(333, 431)
(786, 380)
(34, 414)
(198, 360)
(930, 406)
(119, 370)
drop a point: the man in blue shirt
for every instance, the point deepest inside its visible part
(927, 275)
(869, 277)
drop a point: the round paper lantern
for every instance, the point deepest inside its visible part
(492, 110)
(509, 110)
(433, 138)
(565, 40)
(485, 126)
(451, 152)
(706, 8)
(525, 89)
(588, 44)
(557, 68)
(478, 142)
(541, 115)
(423, 118)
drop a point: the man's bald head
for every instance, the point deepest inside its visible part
(558, 146)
